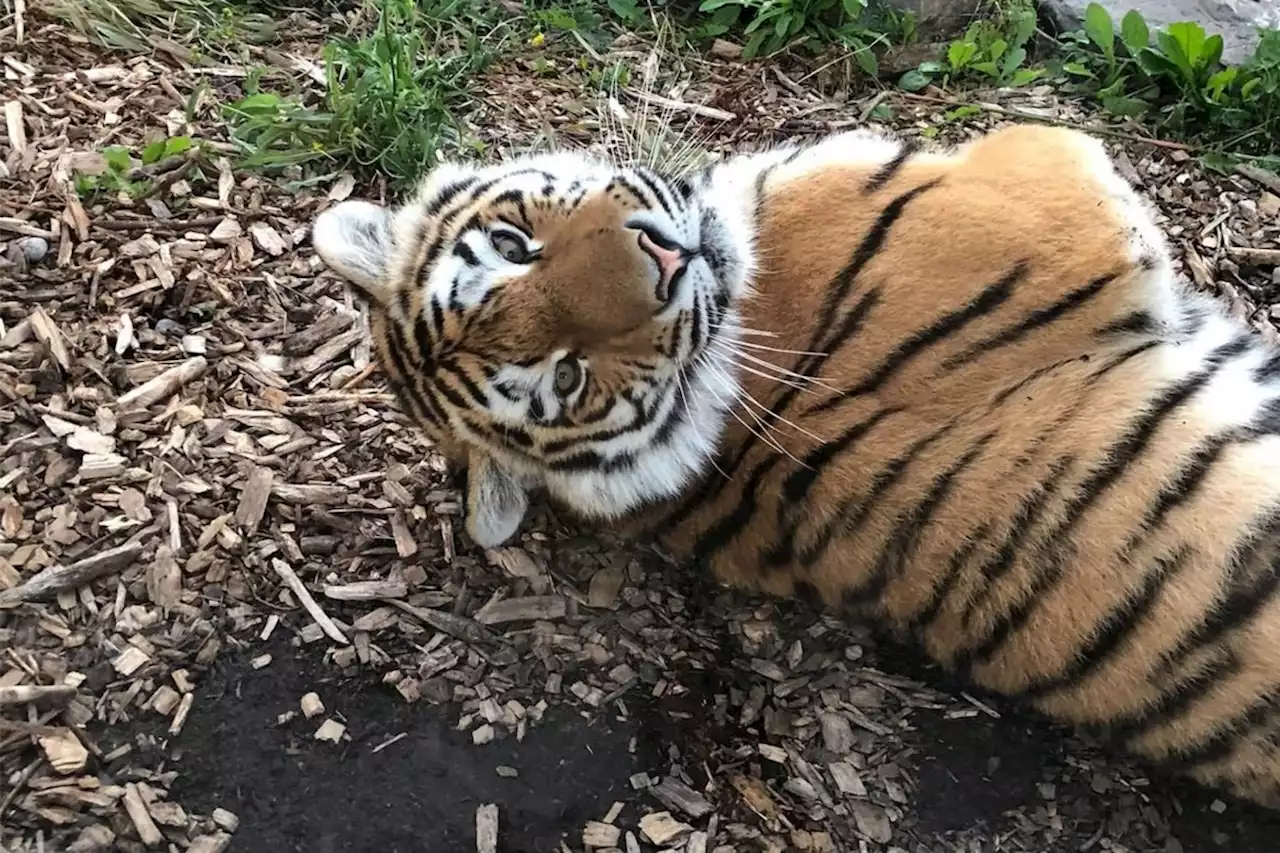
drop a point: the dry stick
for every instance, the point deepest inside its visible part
(164, 385)
(33, 693)
(1270, 180)
(23, 778)
(79, 573)
(447, 623)
(291, 579)
(1105, 131)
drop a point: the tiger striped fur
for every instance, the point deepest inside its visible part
(961, 392)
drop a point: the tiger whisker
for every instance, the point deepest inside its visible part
(783, 373)
(766, 431)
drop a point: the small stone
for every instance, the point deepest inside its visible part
(267, 238)
(34, 249)
(482, 735)
(260, 661)
(1269, 204)
(216, 843)
(507, 772)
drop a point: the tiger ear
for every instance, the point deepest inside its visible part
(354, 240)
(496, 502)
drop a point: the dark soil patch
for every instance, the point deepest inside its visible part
(293, 793)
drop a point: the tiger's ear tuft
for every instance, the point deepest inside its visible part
(496, 502)
(354, 240)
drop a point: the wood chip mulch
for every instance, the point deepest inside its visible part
(200, 465)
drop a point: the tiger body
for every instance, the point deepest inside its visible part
(985, 413)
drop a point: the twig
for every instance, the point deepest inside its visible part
(671, 104)
(34, 693)
(291, 579)
(77, 574)
(164, 385)
(455, 626)
(1105, 131)
(1270, 180)
(23, 778)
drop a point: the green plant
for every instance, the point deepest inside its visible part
(117, 175)
(388, 100)
(1176, 77)
(133, 25)
(993, 50)
(772, 25)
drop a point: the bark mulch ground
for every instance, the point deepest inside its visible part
(237, 610)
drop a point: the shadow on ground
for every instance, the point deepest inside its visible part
(976, 778)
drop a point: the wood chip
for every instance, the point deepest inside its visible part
(164, 579)
(130, 660)
(872, 821)
(294, 583)
(311, 706)
(65, 753)
(254, 498)
(597, 834)
(331, 730)
(661, 828)
(366, 590)
(142, 822)
(522, 609)
(677, 795)
(487, 828)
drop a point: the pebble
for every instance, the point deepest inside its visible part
(34, 249)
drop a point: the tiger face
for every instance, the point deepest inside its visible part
(555, 322)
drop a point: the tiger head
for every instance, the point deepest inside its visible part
(556, 322)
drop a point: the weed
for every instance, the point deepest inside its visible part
(131, 25)
(116, 177)
(1176, 79)
(773, 25)
(991, 50)
(388, 100)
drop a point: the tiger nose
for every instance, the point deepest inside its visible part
(671, 261)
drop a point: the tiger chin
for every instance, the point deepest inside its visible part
(960, 392)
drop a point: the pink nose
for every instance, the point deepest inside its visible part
(669, 261)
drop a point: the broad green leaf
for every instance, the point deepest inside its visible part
(1211, 53)
(752, 47)
(1134, 32)
(1097, 24)
(988, 68)
(1023, 76)
(1026, 28)
(854, 8)
(1219, 82)
(1077, 69)
(1183, 42)
(882, 112)
(177, 145)
(914, 80)
(932, 66)
(962, 112)
(867, 61)
(1015, 59)
(997, 49)
(1156, 64)
(712, 5)
(117, 157)
(153, 152)
(960, 53)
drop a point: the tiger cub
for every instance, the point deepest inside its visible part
(961, 392)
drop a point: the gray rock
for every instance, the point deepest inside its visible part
(1235, 20)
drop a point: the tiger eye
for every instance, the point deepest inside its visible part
(510, 248)
(568, 375)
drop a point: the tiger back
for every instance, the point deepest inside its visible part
(961, 393)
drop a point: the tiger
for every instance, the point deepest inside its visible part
(959, 392)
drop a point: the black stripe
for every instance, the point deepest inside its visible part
(1225, 735)
(437, 317)
(1035, 320)
(1137, 323)
(1268, 370)
(1031, 377)
(1109, 637)
(664, 199)
(886, 172)
(991, 298)
(922, 620)
(1051, 556)
(854, 511)
(448, 193)
(892, 561)
(867, 249)
(1025, 518)
(717, 536)
(1121, 359)
(463, 251)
